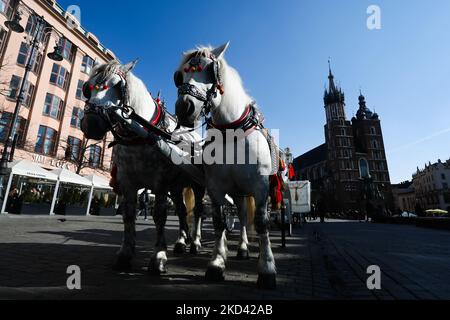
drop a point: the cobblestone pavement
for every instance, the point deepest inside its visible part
(321, 261)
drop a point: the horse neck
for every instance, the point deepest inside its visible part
(234, 101)
(140, 99)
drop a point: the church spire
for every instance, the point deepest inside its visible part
(331, 85)
(333, 94)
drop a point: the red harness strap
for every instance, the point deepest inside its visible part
(157, 118)
(235, 124)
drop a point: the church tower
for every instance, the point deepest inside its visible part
(334, 100)
(341, 166)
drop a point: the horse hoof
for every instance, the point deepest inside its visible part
(180, 248)
(243, 255)
(123, 264)
(195, 249)
(214, 274)
(267, 282)
(156, 269)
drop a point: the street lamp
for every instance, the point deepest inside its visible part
(41, 30)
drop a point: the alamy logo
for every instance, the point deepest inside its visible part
(374, 280)
(374, 19)
(74, 280)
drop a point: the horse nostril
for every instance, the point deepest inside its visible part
(185, 108)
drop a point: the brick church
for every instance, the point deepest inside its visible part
(350, 168)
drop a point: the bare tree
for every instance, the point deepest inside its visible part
(4, 83)
(79, 155)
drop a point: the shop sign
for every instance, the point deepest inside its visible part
(51, 162)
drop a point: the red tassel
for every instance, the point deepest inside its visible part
(221, 89)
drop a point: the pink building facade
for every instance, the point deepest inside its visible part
(48, 127)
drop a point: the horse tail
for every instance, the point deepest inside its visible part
(189, 202)
(251, 209)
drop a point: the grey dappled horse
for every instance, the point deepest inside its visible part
(208, 85)
(139, 163)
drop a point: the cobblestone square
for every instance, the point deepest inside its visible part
(321, 261)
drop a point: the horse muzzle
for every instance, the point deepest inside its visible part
(94, 126)
(186, 111)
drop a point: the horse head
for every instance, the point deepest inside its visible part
(199, 83)
(106, 88)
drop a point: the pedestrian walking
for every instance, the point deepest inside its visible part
(144, 203)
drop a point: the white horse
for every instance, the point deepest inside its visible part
(207, 84)
(140, 163)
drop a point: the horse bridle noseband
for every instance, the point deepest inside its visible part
(208, 96)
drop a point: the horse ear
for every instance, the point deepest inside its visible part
(220, 51)
(130, 66)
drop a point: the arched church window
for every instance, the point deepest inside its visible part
(364, 168)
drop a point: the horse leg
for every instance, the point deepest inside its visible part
(181, 211)
(241, 204)
(266, 263)
(196, 243)
(216, 266)
(126, 253)
(159, 259)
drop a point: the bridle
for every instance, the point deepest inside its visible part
(116, 117)
(250, 119)
(193, 91)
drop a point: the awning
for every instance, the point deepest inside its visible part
(98, 182)
(29, 169)
(66, 176)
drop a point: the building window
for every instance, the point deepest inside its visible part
(6, 8)
(5, 123)
(23, 54)
(95, 154)
(28, 94)
(30, 25)
(60, 76)
(3, 34)
(87, 64)
(364, 169)
(373, 131)
(443, 176)
(77, 115)
(3, 5)
(14, 87)
(445, 186)
(80, 95)
(37, 64)
(46, 141)
(67, 49)
(73, 149)
(53, 106)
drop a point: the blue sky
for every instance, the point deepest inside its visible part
(281, 48)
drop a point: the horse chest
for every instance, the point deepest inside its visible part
(141, 166)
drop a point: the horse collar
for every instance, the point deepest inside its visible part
(251, 118)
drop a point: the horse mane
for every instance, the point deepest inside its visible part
(136, 88)
(232, 82)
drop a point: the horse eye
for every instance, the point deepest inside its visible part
(87, 92)
(178, 79)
